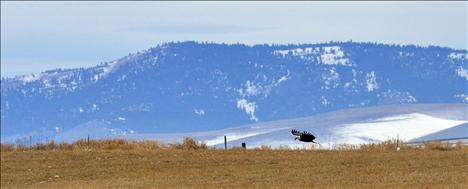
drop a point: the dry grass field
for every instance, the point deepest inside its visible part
(126, 164)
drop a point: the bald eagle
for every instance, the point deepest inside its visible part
(303, 136)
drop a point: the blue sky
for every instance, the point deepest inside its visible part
(36, 36)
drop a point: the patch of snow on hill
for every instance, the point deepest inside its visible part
(109, 68)
(324, 101)
(248, 107)
(251, 89)
(199, 112)
(371, 82)
(463, 96)
(331, 55)
(330, 78)
(30, 78)
(334, 56)
(462, 72)
(297, 51)
(407, 126)
(459, 132)
(254, 89)
(458, 55)
(392, 96)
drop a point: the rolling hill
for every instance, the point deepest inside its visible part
(410, 123)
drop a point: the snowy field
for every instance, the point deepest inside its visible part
(350, 126)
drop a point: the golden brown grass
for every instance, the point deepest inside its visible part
(108, 144)
(149, 164)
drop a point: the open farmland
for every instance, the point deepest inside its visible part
(142, 165)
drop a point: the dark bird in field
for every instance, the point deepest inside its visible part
(303, 136)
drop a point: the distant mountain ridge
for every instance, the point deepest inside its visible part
(191, 86)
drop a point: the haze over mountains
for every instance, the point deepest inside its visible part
(192, 87)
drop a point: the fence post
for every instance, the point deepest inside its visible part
(398, 142)
(225, 142)
(30, 141)
(88, 141)
(244, 146)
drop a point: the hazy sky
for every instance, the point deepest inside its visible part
(36, 36)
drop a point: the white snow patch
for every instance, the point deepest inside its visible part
(331, 55)
(283, 78)
(94, 108)
(109, 68)
(30, 78)
(143, 107)
(463, 96)
(462, 72)
(248, 107)
(254, 89)
(121, 78)
(106, 69)
(297, 51)
(411, 99)
(47, 84)
(371, 82)
(331, 78)
(251, 89)
(324, 101)
(199, 112)
(392, 96)
(458, 55)
(334, 56)
(407, 126)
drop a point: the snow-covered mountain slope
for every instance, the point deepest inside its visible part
(350, 126)
(459, 132)
(191, 87)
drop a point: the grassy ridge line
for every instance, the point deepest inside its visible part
(192, 144)
(107, 144)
